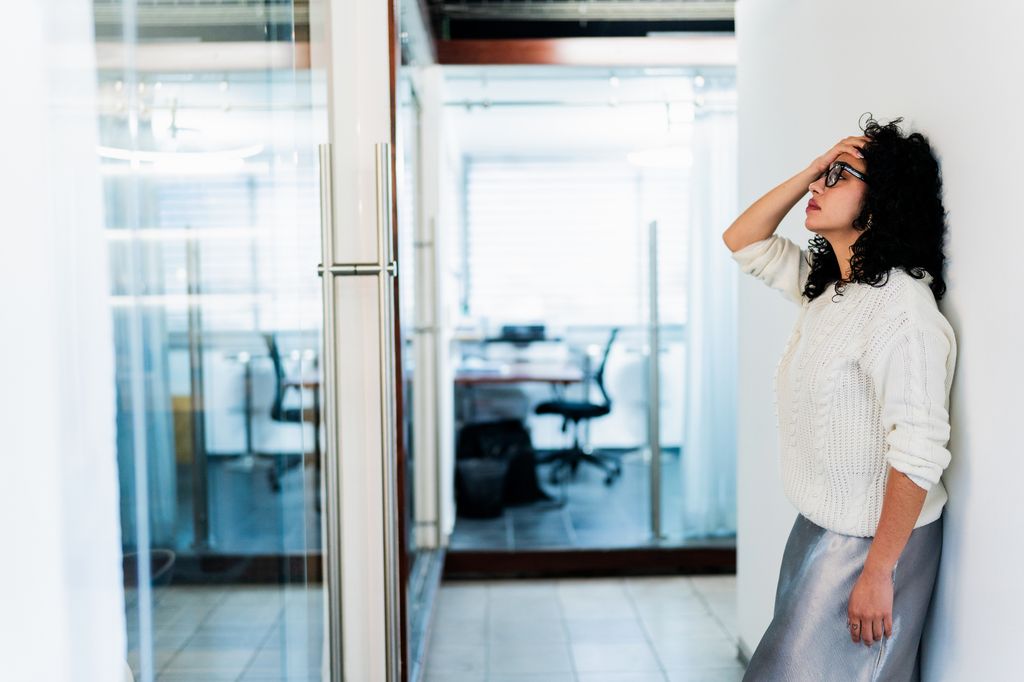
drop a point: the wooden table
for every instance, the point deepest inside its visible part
(557, 376)
(519, 373)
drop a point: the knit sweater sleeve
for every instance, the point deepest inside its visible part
(912, 376)
(778, 262)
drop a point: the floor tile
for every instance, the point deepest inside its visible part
(213, 661)
(598, 608)
(603, 658)
(479, 676)
(622, 677)
(457, 632)
(529, 657)
(525, 610)
(538, 631)
(605, 630)
(586, 630)
(456, 659)
(538, 677)
(684, 652)
(726, 674)
(197, 676)
(669, 625)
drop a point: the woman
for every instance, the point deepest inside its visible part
(862, 400)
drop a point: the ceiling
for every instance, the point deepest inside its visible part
(572, 111)
(204, 20)
(496, 19)
(163, 21)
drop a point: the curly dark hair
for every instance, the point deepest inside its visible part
(908, 220)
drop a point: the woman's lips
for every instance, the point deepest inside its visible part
(812, 207)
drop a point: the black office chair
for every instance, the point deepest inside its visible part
(575, 412)
(280, 413)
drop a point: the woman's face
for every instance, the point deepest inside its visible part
(837, 205)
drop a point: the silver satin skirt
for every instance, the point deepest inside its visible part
(808, 639)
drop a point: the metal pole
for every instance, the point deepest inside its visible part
(653, 389)
(248, 405)
(586, 397)
(200, 494)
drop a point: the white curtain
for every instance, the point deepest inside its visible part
(60, 578)
(709, 449)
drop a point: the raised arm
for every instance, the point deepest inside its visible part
(751, 238)
(762, 218)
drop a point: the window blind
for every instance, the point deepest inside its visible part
(564, 241)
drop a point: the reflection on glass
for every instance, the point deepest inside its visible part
(416, 551)
(211, 204)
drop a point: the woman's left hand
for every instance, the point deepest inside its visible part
(871, 607)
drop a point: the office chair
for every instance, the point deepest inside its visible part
(289, 415)
(575, 412)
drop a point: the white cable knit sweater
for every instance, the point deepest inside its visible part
(863, 383)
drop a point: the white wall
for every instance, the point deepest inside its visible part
(62, 617)
(953, 71)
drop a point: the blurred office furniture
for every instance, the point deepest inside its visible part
(294, 415)
(521, 334)
(246, 359)
(576, 411)
(470, 378)
(495, 467)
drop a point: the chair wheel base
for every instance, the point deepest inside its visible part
(564, 464)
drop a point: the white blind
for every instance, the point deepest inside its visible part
(258, 239)
(565, 241)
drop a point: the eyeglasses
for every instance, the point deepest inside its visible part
(837, 168)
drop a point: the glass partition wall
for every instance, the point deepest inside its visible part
(586, 192)
(210, 180)
(418, 332)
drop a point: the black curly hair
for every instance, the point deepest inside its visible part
(908, 220)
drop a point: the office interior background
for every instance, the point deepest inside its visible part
(237, 457)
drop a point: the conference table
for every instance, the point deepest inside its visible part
(558, 376)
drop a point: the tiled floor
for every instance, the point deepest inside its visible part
(595, 516)
(662, 629)
(213, 634)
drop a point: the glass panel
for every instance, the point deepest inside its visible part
(563, 170)
(212, 213)
(415, 247)
(407, 154)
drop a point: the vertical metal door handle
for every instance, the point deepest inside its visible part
(385, 230)
(385, 269)
(329, 461)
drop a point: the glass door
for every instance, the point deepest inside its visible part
(208, 123)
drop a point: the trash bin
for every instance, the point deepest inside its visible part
(479, 487)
